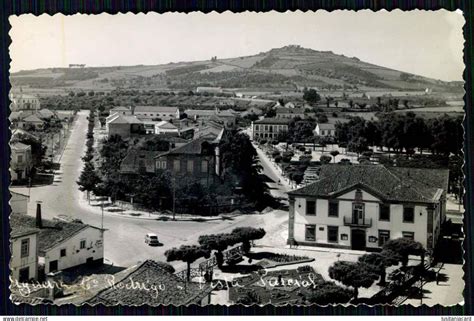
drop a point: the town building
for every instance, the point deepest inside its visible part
(31, 122)
(24, 251)
(163, 288)
(64, 244)
(361, 207)
(18, 203)
(46, 114)
(124, 126)
(126, 111)
(209, 90)
(21, 161)
(156, 113)
(199, 114)
(252, 111)
(268, 128)
(199, 159)
(290, 113)
(164, 127)
(325, 130)
(23, 102)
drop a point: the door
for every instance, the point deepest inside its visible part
(53, 266)
(24, 275)
(358, 213)
(358, 239)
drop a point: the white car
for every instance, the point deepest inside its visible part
(151, 239)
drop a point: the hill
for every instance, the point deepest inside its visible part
(288, 68)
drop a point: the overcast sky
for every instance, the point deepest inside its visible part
(420, 42)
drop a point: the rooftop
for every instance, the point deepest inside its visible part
(52, 233)
(388, 183)
(123, 119)
(32, 118)
(156, 109)
(162, 288)
(120, 108)
(276, 121)
(19, 146)
(283, 110)
(194, 147)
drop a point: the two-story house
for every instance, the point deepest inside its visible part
(199, 159)
(268, 128)
(29, 104)
(363, 206)
(24, 247)
(21, 161)
(290, 113)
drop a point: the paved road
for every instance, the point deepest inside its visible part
(124, 238)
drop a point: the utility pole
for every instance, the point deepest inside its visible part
(102, 219)
(174, 197)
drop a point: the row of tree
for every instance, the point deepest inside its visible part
(372, 266)
(403, 132)
(214, 242)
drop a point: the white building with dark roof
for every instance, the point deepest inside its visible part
(64, 244)
(269, 128)
(362, 206)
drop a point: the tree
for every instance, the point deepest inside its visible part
(247, 234)
(88, 179)
(352, 274)
(334, 153)
(325, 159)
(378, 262)
(311, 96)
(329, 292)
(404, 247)
(188, 254)
(218, 242)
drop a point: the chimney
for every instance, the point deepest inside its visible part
(39, 220)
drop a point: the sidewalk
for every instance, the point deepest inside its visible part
(113, 210)
(449, 290)
(274, 168)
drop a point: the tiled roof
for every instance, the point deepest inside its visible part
(276, 121)
(170, 289)
(19, 146)
(200, 112)
(393, 183)
(123, 119)
(32, 118)
(192, 148)
(52, 233)
(283, 110)
(120, 108)
(45, 113)
(131, 162)
(157, 109)
(326, 126)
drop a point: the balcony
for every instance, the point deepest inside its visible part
(349, 221)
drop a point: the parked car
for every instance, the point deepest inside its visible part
(151, 239)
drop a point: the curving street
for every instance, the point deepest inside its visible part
(124, 236)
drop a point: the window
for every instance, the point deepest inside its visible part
(384, 212)
(190, 166)
(408, 214)
(20, 158)
(25, 248)
(82, 245)
(177, 165)
(62, 252)
(310, 233)
(384, 236)
(333, 232)
(310, 207)
(161, 164)
(333, 208)
(409, 235)
(204, 165)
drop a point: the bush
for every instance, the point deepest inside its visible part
(330, 293)
(278, 159)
